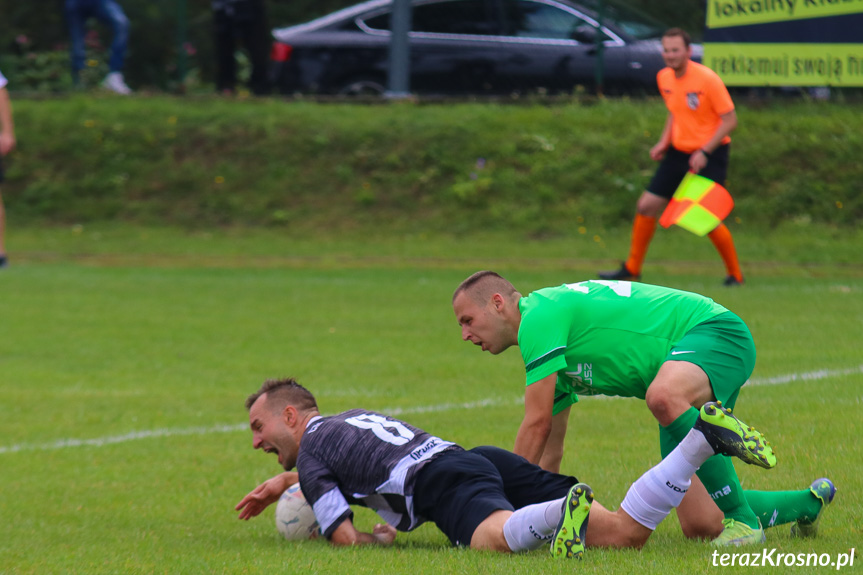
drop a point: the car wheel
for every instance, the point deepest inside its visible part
(362, 87)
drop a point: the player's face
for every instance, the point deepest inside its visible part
(288, 451)
(675, 52)
(481, 325)
(271, 434)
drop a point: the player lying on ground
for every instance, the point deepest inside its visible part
(486, 497)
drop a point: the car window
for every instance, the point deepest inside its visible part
(631, 20)
(448, 17)
(379, 22)
(640, 30)
(537, 20)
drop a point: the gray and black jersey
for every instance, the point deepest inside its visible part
(364, 458)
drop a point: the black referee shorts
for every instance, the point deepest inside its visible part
(460, 489)
(675, 164)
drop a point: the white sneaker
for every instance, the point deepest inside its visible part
(114, 82)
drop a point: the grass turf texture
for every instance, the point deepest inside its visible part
(545, 170)
(110, 331)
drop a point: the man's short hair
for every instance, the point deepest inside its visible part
(482, 285)
(680, 33)
(283, 392)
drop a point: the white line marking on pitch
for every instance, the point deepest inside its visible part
(101, 441)
(174, 432)
(811, 376)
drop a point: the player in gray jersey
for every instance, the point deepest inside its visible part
(485, 498)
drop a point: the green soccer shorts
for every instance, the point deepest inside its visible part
(724, 349)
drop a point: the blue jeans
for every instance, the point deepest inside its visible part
(109, 13)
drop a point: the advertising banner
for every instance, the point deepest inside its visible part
(785, 42)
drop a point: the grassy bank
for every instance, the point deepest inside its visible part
(536, 170)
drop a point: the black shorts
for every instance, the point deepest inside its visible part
(675, 164)
(460, 489)
(1, 169)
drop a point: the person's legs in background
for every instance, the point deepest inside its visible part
(257, 41)
(648, 210)
(226, 66)
(109, 13)
(651, 204)
(717, 170)
(76, 18)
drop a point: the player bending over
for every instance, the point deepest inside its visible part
(675, 350)
(485, 498)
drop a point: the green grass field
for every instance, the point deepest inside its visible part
(126, 355)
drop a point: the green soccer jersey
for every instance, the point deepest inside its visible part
(605, 337)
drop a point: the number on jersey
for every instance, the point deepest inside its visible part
(623, 289)
(386, 430)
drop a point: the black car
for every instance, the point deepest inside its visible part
(471, 47)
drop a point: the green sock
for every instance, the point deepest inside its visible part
(719, 477)
(779, 507)
(673, 434)
(717, 473)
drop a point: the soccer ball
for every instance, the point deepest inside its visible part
(295, 518)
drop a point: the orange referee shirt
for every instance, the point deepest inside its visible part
(695, 101)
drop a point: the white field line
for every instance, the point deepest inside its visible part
(397, 411)
(132, 436)
(810, 376)
(174, 432)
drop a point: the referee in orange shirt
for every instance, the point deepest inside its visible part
(695, 138)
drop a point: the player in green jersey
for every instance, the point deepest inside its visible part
(676, 350)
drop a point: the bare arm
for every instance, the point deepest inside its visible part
(265, 494)
(657, 152)
(553, 453)
(536, 425)
(727, 123)
(347, 534)
(7, 127)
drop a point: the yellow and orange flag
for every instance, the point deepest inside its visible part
(698, 205)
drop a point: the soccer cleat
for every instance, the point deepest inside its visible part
(622, 274)
(731, 281)
(824, 490)
(114, 82)
(729, 436)
(735, 533)
(568, 539)
(3, 261)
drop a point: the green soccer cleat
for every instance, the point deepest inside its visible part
(735, 534)
(824, 490)
(729, 436)
(568, 539)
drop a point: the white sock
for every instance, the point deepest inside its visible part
(653, 495)
(695, 448)
(531, 527)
